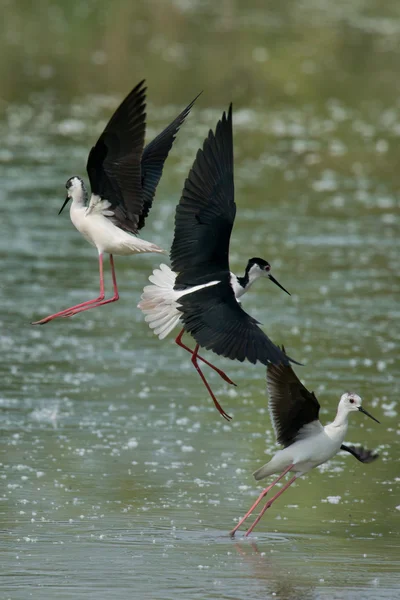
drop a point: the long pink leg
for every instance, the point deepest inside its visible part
(217, 404)
(113, 299)
(220, 373)
(285, 487)
(63, 313)
(260, 497)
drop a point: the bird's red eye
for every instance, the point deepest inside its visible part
(351, 401)
(267, 267)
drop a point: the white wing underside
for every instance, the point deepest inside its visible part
(160, 301)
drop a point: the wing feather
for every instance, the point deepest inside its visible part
(206, 211)
(217, 322)
(113, 165)
(291, 405)
(362, 454)
(154, 156)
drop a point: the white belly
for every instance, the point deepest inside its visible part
(107, 237)
(304, 455)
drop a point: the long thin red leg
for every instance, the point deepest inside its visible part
(260, 497)
(101, 303)
(270, 502)
(63, 313)
(223, 375)
(217, 404)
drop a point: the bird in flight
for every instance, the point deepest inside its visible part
(200, 292)
(306, 442)
(123, 177)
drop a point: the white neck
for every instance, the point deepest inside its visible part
(239, 289)
(253, 275)
(78, 197)
(338, 428)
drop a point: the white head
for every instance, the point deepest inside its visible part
(352, 402)
(76, 191)
(258, 267)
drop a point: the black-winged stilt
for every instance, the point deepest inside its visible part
(307, 443)
(200, 291)
(123, 178)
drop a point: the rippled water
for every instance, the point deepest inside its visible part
(118, 477)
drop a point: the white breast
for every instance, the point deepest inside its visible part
(78, 218)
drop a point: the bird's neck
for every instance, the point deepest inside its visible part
(245, 282)
(79, 197)
(338, 428)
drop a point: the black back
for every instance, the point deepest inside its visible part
(118, 167)
(291, 405)
(206, 212)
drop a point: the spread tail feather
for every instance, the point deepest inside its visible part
(159, 302)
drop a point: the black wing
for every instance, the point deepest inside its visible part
(291, 405)
(114, 162)
(360, 453)
(215, 319)
(154, 156)
(206, 211)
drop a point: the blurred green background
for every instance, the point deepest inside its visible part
(118, 477)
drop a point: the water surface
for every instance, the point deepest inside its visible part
(119, 478)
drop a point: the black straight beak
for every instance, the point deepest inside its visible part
(64, 205)
(278, 284)
(361, 409)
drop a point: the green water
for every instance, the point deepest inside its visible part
(118, 477)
